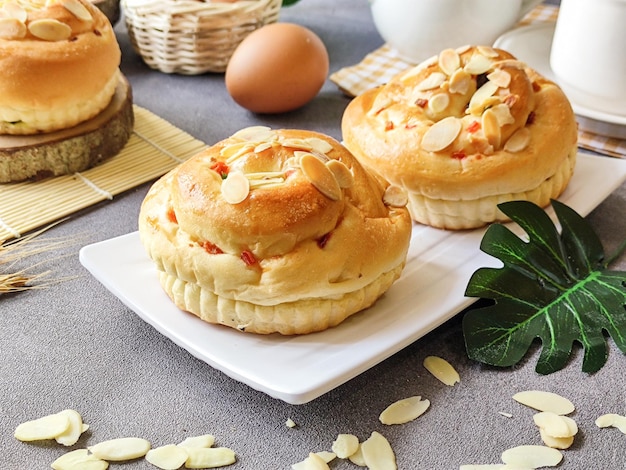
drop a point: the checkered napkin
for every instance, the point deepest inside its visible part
(379, 66)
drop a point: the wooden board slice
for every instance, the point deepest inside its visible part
(69, 150)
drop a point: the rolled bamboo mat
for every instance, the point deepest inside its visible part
(155, 147)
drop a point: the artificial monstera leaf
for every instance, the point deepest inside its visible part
(554, 286)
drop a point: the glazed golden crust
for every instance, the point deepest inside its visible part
(50, 84)
(508, 130)
(292, 254)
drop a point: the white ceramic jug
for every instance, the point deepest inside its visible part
(419, 29)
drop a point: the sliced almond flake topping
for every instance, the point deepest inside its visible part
(449, 61)
(49, 29)
(46, 427)
(441, 134)
(404, 411)
(204, 440)
(236, 151)
(262, 147)
(555, 442)
(255, 134)
(120, 449)
(301, 144)
(612, 420)
(342, 173)
(345, 445)
(480, 97)
(500, 77)
(434, 80)
(545, 401)
(460, 82)
(209, 457)
(264, 175)
(77, 9)
(487, 51)
(395, 196)
(79, 459)
(532, 456)
(167, 457)
(463, 49)
(377, 453)
(518, 141)
(15, 10)
(71, 435)
(555, 425)
(442, 370)
(235, 188)
(478, 64)
(266, 183)
(319, 145)
(491, 128)
(320, 176)
(503, 114)
(12, 28)
(438, 103)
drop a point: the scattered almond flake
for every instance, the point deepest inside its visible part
(503, 114)
(12, 28)
(79, 459)
(405, 410)
(612, 420)
(434, 80)
(290, 423)
(555, 425)
(478, 64)
(439, 102)
(167, 457)
(46, 427)
(15, 10)
(441, 370)
(235, 188)
(342, 173)
(395, 196)
(319, 145)
(506, 415)
(71, 435)
(345, 445)
(77, 9)
(556, 442)
(449, 61)
(204, 440)
(460, 82)
(532, 456)
(312, 462)
(480, 97)
(487, 51)
(491, 128)
(545, 401)
(377, 453)
(441, 134)
(500, 77)
(320, 177)
(209, 457)
(120, 449)
(49, 29)
(518, 141)
(255, 134)
(357, 458)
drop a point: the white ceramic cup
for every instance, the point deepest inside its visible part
(588, 55)
(419, 29)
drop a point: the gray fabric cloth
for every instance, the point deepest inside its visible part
(75, 345)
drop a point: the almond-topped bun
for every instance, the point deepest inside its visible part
(464, 131)
(60, 64)
(275, 231)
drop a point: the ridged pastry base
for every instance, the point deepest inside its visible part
(70, 150)
(290, 318)
(474, 213)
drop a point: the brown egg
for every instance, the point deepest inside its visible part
(277, 68)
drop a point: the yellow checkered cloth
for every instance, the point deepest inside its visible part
(379, 66)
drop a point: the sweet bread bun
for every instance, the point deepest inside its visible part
(463, 132)
(60, 64)
(275, 231)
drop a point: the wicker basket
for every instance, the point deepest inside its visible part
(192, 36)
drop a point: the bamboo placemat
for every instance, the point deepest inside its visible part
(379, 66)
(155, 147)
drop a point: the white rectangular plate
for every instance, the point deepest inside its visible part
(301, 368)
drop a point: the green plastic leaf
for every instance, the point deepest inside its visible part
(554, 285)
